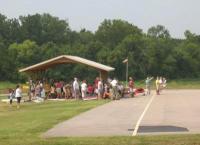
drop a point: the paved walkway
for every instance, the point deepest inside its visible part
(174, 111)
(115, 118)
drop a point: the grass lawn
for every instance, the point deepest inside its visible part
(5, 85)
(184, 84)
(174, 84)
(24, 126)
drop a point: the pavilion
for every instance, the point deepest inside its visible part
(67, 59)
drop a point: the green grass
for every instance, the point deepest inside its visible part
(184, 84)
(25, 126)
(125, 140)
(6, 85)
(174, 84)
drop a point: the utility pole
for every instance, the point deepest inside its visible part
(126, 61)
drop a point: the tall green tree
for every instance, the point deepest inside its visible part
(44, 28)
(158, 31)
(112, 32)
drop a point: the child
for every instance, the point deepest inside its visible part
(11, 95)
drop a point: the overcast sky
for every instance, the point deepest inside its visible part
(175, 15)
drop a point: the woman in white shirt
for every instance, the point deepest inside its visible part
(18, 95)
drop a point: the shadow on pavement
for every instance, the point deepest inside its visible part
(149, 129)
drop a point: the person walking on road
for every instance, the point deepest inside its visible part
(157, 86)
(148, 85)
(131, 87)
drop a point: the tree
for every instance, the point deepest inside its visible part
(187, 55)
(4, 62)
(44, 28)
(158, 31)
(112, 32)
(25, 53)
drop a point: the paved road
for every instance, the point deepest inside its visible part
(115, 118)
(174, 111)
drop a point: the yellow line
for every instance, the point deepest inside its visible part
(142, 115)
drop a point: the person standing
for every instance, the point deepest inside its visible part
(83, 89)
(11, 96)
(37, 90)
(96, 85)
(76, 88)
(43, 94)
(18, 95)
(148, 85)
(52, 92)
(131, 87)
(164, 83)
(100, 89)
(31, 89)
(157, 86)
(114, 89)
(58, 89)
(67, 91)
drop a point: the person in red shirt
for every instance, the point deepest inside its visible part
(90, 89)
(58, 89)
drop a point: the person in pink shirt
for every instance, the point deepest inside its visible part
(58, 89)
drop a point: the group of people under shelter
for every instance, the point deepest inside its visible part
(76, 89)
(109, 89)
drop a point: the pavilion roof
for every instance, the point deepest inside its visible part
(64, 59)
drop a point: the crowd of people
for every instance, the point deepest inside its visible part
(160, 84)
(76, 89)
(111, 89)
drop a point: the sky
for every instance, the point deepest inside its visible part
(176, 15)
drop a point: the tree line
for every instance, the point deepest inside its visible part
(34, 38)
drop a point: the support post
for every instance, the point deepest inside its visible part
(103, 75)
